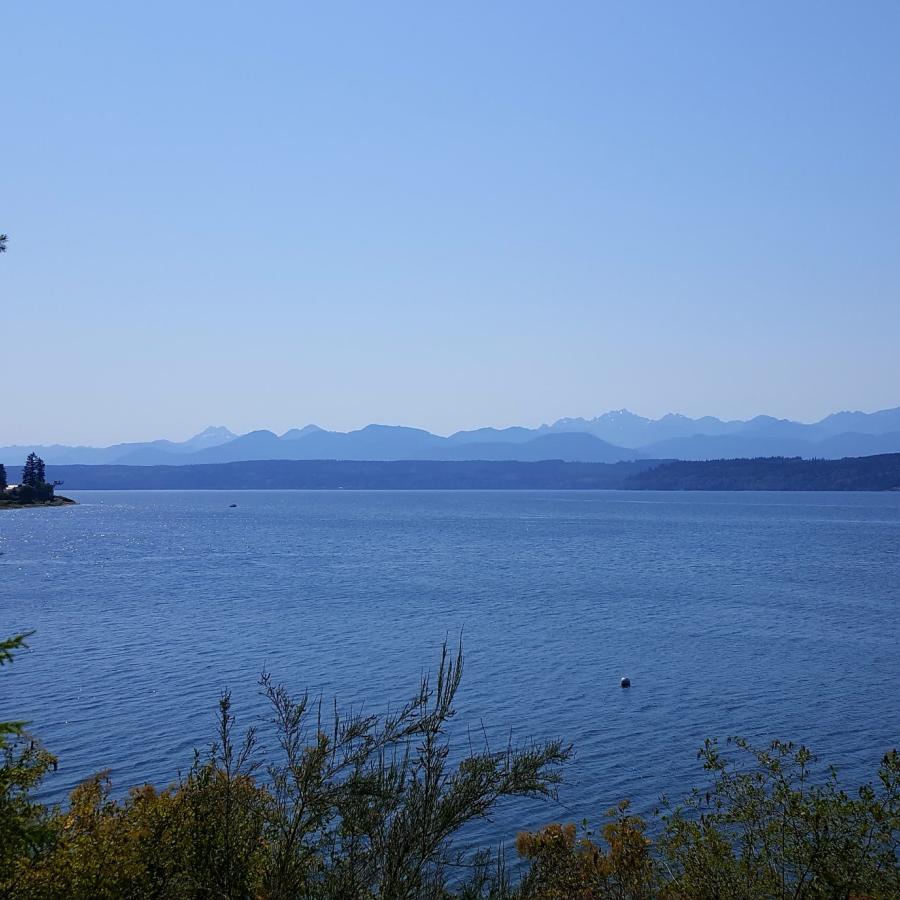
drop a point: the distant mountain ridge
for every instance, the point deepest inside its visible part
(615, 436)
(128, 454)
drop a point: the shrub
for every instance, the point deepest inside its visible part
(782, 829)
(356, 806)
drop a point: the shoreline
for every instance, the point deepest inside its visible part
(56, 501)
(872, 473)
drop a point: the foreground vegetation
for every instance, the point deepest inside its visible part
(368, 807)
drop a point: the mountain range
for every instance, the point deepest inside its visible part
(615, 436)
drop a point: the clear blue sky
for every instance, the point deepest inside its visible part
(444, 215)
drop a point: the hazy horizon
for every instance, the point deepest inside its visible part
(445, 217)
(182, 436)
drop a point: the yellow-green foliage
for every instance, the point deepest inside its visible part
(773, 829)
(564, 866)
(771, 825)
(100, 847)
(203, 838)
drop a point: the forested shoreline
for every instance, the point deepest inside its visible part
(866, 473)
(33, 489)
(862, 473)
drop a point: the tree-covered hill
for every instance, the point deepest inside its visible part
(862, 473)
(352, 475)
(867, 473)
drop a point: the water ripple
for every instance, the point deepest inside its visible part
(764, 615)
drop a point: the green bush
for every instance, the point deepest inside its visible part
(355, 807)
(25, 826)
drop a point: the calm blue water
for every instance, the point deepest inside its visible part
(756, 614)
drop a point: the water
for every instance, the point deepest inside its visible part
(755, 614)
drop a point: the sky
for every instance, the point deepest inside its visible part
(444, 215)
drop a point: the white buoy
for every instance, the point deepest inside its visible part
(625, 682)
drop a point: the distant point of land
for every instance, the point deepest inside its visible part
(35, 504)
(32, 490)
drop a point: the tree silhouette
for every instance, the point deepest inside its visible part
(3, 240)
(33, 473)
(3, 482)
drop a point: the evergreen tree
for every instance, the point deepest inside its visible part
(29, 471)
(33, 473)
(3, 482)
(3, 240)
